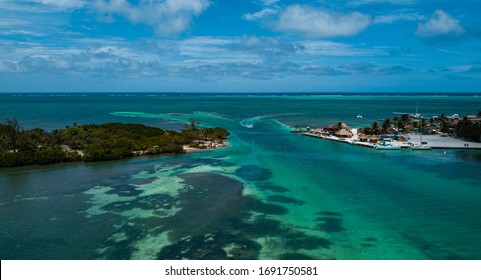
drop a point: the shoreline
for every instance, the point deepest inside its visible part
(136, 156)
(436, 142)
(188, 149)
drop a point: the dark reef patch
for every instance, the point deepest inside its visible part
(215, 221)
(295, 256)
(330, 213)
(330, 225)
(253, 173)
(266, 208)
(272, 188)
(141, 181)
(155, 201)
(261, 227)
(303, 241)
(124, 190)
(329, 221)
(122, 250)
(211, 247)
(213, 200)
(284, 199)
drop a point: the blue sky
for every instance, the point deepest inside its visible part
(240, 46)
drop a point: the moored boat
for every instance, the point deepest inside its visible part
(386, 146)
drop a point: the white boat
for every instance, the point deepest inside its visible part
(359, 116)
(386, 146)
(332, 137)
(416, 115)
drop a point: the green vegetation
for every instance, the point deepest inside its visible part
(469, 130)
(111, 141)
(466, 128)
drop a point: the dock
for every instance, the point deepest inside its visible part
(434, 141)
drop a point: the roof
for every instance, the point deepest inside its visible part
(343, 132)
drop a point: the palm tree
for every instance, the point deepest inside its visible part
(375, 129)
(386, 124)
(12, 131)
(193, 123)
(405, 118)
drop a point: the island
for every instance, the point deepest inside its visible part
(100, 142)
(411, 131)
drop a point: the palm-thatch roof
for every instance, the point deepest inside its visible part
(344, 126)
(343, 133)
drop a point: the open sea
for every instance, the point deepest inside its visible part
(271, 194)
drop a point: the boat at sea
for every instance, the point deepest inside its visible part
(359, 116)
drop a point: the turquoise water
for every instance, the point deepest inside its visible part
(269, 195)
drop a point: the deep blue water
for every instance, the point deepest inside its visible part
(270, 195)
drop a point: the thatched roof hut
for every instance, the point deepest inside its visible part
(345, 126)
(363, 137)
(373, 138)
(343, 133)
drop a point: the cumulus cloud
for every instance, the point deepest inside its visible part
(314, 22)
(164, 16)
(440, 24)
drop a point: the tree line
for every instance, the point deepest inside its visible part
(95, 142)
(465, 128)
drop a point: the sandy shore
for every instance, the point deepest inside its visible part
(188, 149)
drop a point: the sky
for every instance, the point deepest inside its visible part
(240, 46)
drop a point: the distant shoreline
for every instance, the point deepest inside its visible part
(280, 94)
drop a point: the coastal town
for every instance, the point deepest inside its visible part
(409, 131)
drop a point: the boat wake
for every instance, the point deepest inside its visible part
(249, 122)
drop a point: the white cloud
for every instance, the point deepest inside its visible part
(329, 48)
(268, 2)
(66, 4)
(262, 14)
(368, 2)
(440, 24)
(164, 16)
(313, 22)
(397, 17)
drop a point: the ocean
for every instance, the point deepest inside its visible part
(270, 195)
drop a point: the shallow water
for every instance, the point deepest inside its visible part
(270, 195)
